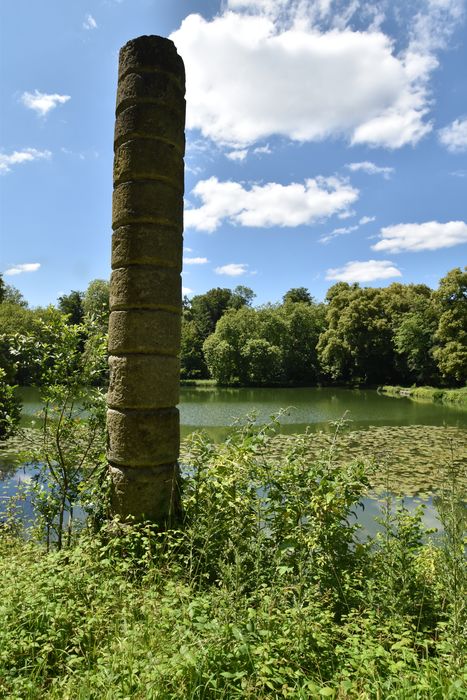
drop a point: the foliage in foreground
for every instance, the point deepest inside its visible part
(265, 592)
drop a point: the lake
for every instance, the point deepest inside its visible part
(412, 441)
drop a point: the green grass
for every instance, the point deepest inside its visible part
(265, 591)
(198, 382)
(428, 393)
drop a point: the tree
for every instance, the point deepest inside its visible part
(414, 341)
(297, 295)
(305, 322)
(192, 362)
(263, 362)
(96, 302)
(222, 360)
(451, 335)
(200, 317)
(357, 345)
(242, 296)
(206, 309)
(72, 306)
(11, 295)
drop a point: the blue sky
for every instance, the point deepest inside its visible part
(326, 140)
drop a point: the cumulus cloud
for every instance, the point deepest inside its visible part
(454, 136)
(239, 154)
(367, 271)
(232, 269)
(268, 205)
(89, 22)
(23, 267)
(195, 261)
(370, 168)
(17, 157)
(430, 235)
(41, 102)
(366, 220)
(299, 80)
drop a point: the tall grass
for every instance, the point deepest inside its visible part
(265, 591)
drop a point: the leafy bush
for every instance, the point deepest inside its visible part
(267, 591)
(10, 408)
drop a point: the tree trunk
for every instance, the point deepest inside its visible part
(145, 288)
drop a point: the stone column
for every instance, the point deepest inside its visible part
(145, 288)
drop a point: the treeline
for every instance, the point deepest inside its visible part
(400, 334)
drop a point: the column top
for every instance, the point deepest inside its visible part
(147, 53)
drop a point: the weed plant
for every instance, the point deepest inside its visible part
(264, 591)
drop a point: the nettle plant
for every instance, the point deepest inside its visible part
(268, 516)
(69, 456)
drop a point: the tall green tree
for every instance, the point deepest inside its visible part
(192, 362)
(298, 295)
(305, 322)
(200, 317)
(268, 345)
(451, 335)
(96, 302)
(72, 306)
(11, 295)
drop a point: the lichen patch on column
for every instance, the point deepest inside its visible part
(145, 290)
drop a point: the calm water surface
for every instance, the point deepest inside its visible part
(215, 409)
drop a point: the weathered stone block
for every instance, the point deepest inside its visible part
(143, 438)
(147, 202)
(147, 494)
(147, 244)
(149, 121)
(143, 381)
(151, 51)
(144, 331)
(148, 159)
(153, 88)
(145, 287)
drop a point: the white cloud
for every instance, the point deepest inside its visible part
(300, 81)
(23, 267)
(370, 168)
(89, 22)
(240, 154)
(367, 271)
(186, 291)
(454, 136)
(263, 150)
(430, 235)
(42, 103)
(342, 231)
(232, 269)
(434, 24)
(17, 157)
(268, 205)
(195, 261)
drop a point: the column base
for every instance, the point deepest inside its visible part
(146, 493)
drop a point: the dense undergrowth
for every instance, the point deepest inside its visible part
(266, 590)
